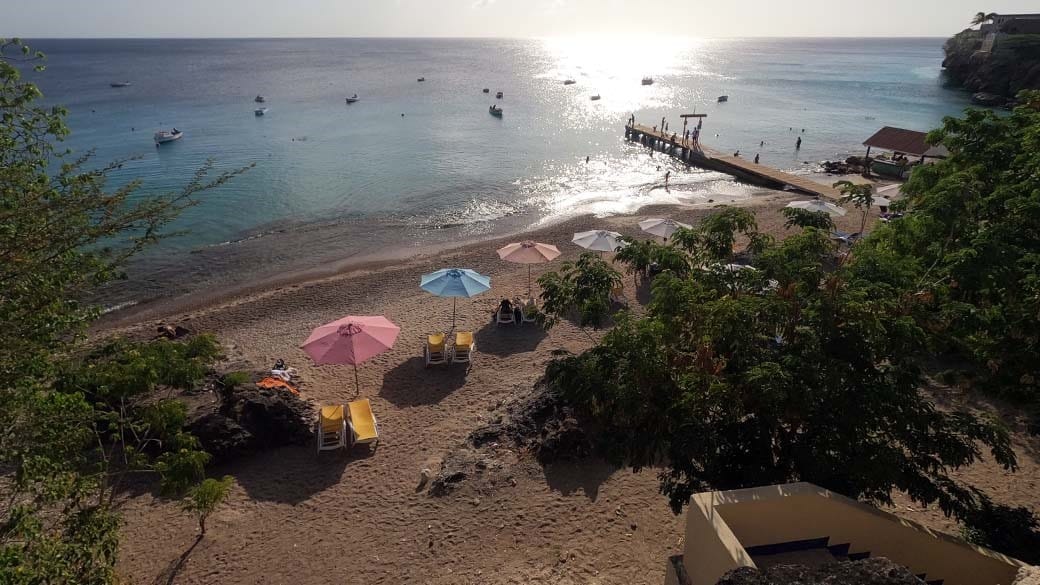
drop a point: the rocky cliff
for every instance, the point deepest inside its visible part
(1012, 65)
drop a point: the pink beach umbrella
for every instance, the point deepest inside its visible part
(528, 253)
(351, 340)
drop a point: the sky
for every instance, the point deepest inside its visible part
(492, 18)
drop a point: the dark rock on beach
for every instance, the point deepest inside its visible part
(248, 418)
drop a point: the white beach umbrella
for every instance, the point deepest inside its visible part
(599, 240)
(890, 190)
(818, 205)
(882, 201)
(663, 228)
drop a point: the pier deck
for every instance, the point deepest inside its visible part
(704, 156)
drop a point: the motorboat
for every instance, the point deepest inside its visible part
(498, 95)
(259, 99)
(421, 79)
(260, 111)
(569, 82)
(723, 99)
(595, 98)
(352, 99)
(486, 90)
(495, 111)
(648, 81)
(120, 84)
(164, 136)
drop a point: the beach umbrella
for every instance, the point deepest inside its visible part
(599, 240)
(890, 190)
(351, 340)
(528, 253)
(455, 283)
(882, 201)
(661, 227)
(818, 205)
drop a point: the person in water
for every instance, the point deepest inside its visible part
(756, 158)
(798, 143)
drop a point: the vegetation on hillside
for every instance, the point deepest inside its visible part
(77, 425)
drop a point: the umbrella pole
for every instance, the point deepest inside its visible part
(528, 281)
(454, 300)
(357, 384)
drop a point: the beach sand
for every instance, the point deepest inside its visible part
(294, 517)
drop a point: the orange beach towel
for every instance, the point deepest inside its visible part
(277, 383)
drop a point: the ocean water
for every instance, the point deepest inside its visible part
(418, 164)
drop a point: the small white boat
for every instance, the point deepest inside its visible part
(498, 95)
(260, 111)
(595, 98)
(723, 98)
(120, 84)
(648, 81)
(259, 99)
(569, 82)
(495, 111)
(352, 99)
(164, 136)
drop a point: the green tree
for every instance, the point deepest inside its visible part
(580, 289)
(714, 238)
(811, 377)
(970, 243)
(204, 499)
(76, 424)
(862, 196)
(804, 218)
(640, 255)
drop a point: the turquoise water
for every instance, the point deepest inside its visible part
(336, 181)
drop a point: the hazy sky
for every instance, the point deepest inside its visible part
(495, 18)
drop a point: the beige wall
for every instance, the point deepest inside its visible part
(776, 514)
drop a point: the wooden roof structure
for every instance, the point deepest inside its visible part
(905, 141)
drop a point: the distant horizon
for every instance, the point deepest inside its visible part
(460, 38)
(496, 19)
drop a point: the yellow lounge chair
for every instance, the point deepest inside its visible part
(331, 428)
(363, 425)
(435, 351)
(464, 347)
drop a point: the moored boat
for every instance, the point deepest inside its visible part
(260, 111)
(495, 111)
(259, 99)
(164, 136)
(723, 98)
(487, 90)
(595, 98)
(569, 82)
(120, 84)
(421, 79)
(352, 99)
(498, 95)
(648, 81)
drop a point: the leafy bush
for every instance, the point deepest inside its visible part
(581, 289)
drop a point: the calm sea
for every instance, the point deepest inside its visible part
(417, 164)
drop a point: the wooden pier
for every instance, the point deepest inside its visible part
(702, 156)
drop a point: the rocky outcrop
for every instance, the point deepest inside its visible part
(1012, 66)
(541, 424)
(874, 571)
(248, 419)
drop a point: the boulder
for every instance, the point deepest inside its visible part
(873, 571)
(222, 437)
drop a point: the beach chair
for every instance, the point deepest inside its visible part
(331, 428)
(435, 351)
(464, 347)
(503, 317)
(363, 426)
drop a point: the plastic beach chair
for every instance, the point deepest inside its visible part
(503, 317)
(363, 425)
(331, 428)
(464, 347)
(435, 352)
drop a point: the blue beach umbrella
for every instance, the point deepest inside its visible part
(455, 283)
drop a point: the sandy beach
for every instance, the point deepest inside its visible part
(295, 517)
